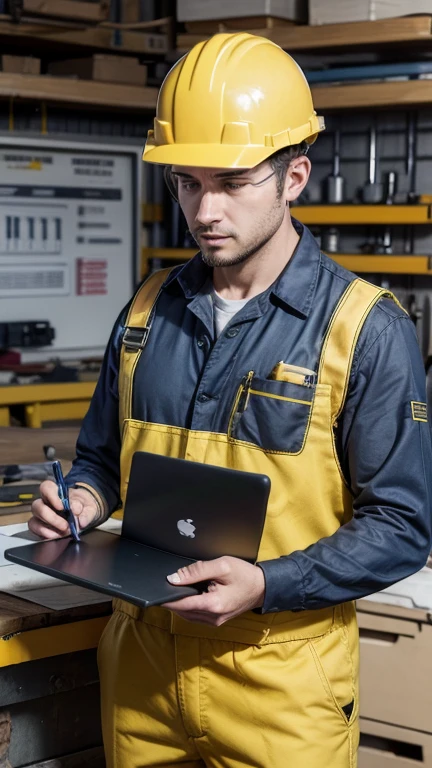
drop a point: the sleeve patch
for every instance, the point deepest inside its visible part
(419, 411)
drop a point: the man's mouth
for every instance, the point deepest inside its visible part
(214, 238)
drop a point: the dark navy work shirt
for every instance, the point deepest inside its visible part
(186, 377)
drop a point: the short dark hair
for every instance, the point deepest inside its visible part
(279, 163)
(281, 160)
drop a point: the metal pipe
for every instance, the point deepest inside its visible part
(373, 155)
(411, 151)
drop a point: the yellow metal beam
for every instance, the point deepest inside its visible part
(51, 641)
(48, 393)
(363, 214)
(47, 402)
(4, 416)
(400, 265)
(404, 265)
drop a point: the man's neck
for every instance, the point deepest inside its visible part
(259, 272)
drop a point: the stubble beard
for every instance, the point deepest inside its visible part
(211, 257)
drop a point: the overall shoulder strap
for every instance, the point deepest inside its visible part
(138, 325)
(341, 338)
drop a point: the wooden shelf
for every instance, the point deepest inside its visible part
(373, 264)
(80, 36)
(359, 34)
(405, 93)
(66, 91)
(396, 215)
(67, 9)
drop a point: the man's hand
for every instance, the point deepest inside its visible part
(235, 587)
(48, 524)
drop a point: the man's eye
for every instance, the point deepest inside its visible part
(189, 186)
(233, 187)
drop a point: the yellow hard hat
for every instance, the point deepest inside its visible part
(231, 102)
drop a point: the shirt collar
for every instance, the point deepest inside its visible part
(295, 287)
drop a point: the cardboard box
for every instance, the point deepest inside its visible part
(105, 68)
(395, 665)
(20, 65)
(385, 746)
(205, 10)
(91, 12)
(337, 11)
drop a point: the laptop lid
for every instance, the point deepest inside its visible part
(196, 510)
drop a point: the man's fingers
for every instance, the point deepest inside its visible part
(49, 494)
(204, 604)
(47, 516)
(44, 531)
(203, 570)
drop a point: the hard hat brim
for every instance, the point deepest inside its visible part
(207, 155)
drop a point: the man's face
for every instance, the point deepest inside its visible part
(231, 214)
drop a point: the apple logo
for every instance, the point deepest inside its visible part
(186, 528)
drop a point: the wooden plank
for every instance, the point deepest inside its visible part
(359, 34)
(211, 27)
(17, 615)
(65, 9)
(61, 90)
(407, 93)
(98, 38)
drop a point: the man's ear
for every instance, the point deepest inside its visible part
(297, 177)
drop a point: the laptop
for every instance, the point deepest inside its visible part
(176, 512)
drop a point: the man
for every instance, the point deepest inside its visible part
(263, 355)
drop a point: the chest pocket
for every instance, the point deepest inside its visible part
(273, 415)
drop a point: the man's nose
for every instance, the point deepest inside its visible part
(210, 209)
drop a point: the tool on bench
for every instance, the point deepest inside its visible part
(17, 495)
(12, 473)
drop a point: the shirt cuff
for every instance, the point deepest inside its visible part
(107, 500)
(285, 589)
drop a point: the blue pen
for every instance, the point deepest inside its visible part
(64, 498)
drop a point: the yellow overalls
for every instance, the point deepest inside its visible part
(262, 690)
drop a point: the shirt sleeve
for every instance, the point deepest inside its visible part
(384, 447)
(97, 461)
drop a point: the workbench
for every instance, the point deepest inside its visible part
(49, 686)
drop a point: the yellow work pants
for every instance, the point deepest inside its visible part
(172, 700)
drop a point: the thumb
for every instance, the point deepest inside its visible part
(203, 570)
(83, 513)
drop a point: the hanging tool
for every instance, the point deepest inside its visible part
(335, 183)
(411, 155)
(330, 240)
(391, 184)
(384, 243)
(372, 190)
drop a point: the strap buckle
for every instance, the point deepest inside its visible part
(135, 338)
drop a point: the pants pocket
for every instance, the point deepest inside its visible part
(334, 665)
